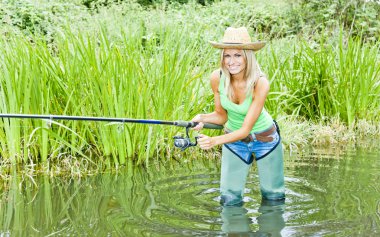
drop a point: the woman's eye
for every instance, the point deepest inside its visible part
(237, 55)
(226, 56)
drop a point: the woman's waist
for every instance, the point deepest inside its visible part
(262, 124)
(263, 136)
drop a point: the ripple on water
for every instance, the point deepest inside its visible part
(333, 193)
(323, 196)
(192, 202)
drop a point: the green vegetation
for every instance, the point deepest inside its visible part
(152, 61)
(325, 79)
(93, 77)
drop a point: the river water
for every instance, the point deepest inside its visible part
(329, 192)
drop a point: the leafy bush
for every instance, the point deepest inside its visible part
(95, 4)
(42, 19)
(359, 17)
(294, 17)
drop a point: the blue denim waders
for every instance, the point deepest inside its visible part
(237, 158)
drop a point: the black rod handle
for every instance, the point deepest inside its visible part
(193, 124)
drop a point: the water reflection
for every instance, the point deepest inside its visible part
(236, 221)
(271, 220)
(326, 195)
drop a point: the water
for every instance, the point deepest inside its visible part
(329, 193)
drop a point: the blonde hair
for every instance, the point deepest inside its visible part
(252, 73)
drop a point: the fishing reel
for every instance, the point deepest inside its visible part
(184, 142)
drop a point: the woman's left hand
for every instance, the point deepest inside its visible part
(198, 119)
(205, 142)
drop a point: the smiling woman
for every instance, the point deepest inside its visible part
(240, 90)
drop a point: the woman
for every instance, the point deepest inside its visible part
(240, 90)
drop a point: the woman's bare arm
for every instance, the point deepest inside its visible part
(219, 115)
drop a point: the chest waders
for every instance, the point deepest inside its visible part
(235, 170)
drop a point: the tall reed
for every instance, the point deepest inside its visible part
(324, 79)
(88, 74)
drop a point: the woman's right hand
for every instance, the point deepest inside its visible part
(199, 120)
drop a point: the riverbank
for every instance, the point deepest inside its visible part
(297, 136)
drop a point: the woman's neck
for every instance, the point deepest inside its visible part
(237, 77)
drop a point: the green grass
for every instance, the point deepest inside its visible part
(156, 65)
(91, 76)
(320, 80)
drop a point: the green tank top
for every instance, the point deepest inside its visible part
(237, 112)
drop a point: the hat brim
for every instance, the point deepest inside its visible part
(255, 46)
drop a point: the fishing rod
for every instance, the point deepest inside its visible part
(179, 141)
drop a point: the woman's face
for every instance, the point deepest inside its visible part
(234, 60)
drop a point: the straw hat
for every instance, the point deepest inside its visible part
(237, 38)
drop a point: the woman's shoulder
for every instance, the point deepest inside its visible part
(262, 84)
(263, 80)
(215, 75)
(215, 79)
